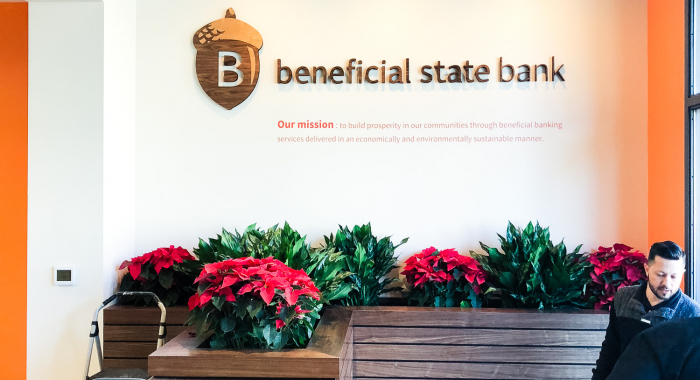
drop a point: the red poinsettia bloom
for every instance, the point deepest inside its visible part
(258, 278)
(466, 264)
(613, 268)
(135, 266)
(166, 257)
(160, 258)
(431, 265)
(422, 267)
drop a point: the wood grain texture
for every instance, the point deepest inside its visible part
(131, 350)
(494, 337)
(545, 71)
(480, 318)
(408, 343)
(130, 333)
(137, 315)
(227, 28)
(138, 333)
(236, 378)
(481, 70)
(499, 354)
(347, 356)
(395, 370)
(207, 66)
(126, 363)
(181, 357)
(315, 70)
(330, 334)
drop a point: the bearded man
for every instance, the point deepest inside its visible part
(637, 308)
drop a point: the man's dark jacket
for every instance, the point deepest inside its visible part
(631, 314)
(667, 352)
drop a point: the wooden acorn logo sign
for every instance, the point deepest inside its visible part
(228, 61)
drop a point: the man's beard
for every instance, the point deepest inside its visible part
(658, 292)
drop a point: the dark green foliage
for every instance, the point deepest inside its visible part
(531, 272)
(250, 323)
(368, 260)
(173, 285)
(447, 294)
(325, 267)
(253, 242)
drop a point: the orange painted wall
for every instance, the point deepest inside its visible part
(666, 36)
(13, 189)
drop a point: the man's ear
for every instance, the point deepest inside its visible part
(646, 269)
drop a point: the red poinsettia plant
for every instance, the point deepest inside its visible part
(444, 278)
(254, 303)
(613, 268)
(165, 271)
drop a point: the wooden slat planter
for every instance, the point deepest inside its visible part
(409, 343)
(322, 359)
(130, 333)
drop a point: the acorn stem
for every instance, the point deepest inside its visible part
(230, 13)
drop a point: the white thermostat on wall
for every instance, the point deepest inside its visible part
(64, 276)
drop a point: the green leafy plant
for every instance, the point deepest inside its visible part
(326, 267)
(532, 272)
(254, 303)
(369, 261)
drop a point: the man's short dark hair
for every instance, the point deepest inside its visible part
(667, 250)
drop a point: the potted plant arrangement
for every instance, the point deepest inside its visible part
(614, 267)
(267, 290)
(165, 271)
(269, 297)
(328, 269)
(349, 270)
(254, 303)
(368, 261)
(532, 272)
(444, 279)
(130, 328)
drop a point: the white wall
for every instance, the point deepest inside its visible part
(65, 183)
(200, 167)
(171, 166)
(119, 137)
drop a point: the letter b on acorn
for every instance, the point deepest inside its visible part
(228, 61)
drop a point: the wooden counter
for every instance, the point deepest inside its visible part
(408, 343)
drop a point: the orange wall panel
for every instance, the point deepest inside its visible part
(666, 39)
(13, 189)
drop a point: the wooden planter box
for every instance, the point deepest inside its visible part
(130, 333)
(475, 343)
(409, 343)
(321, 359)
